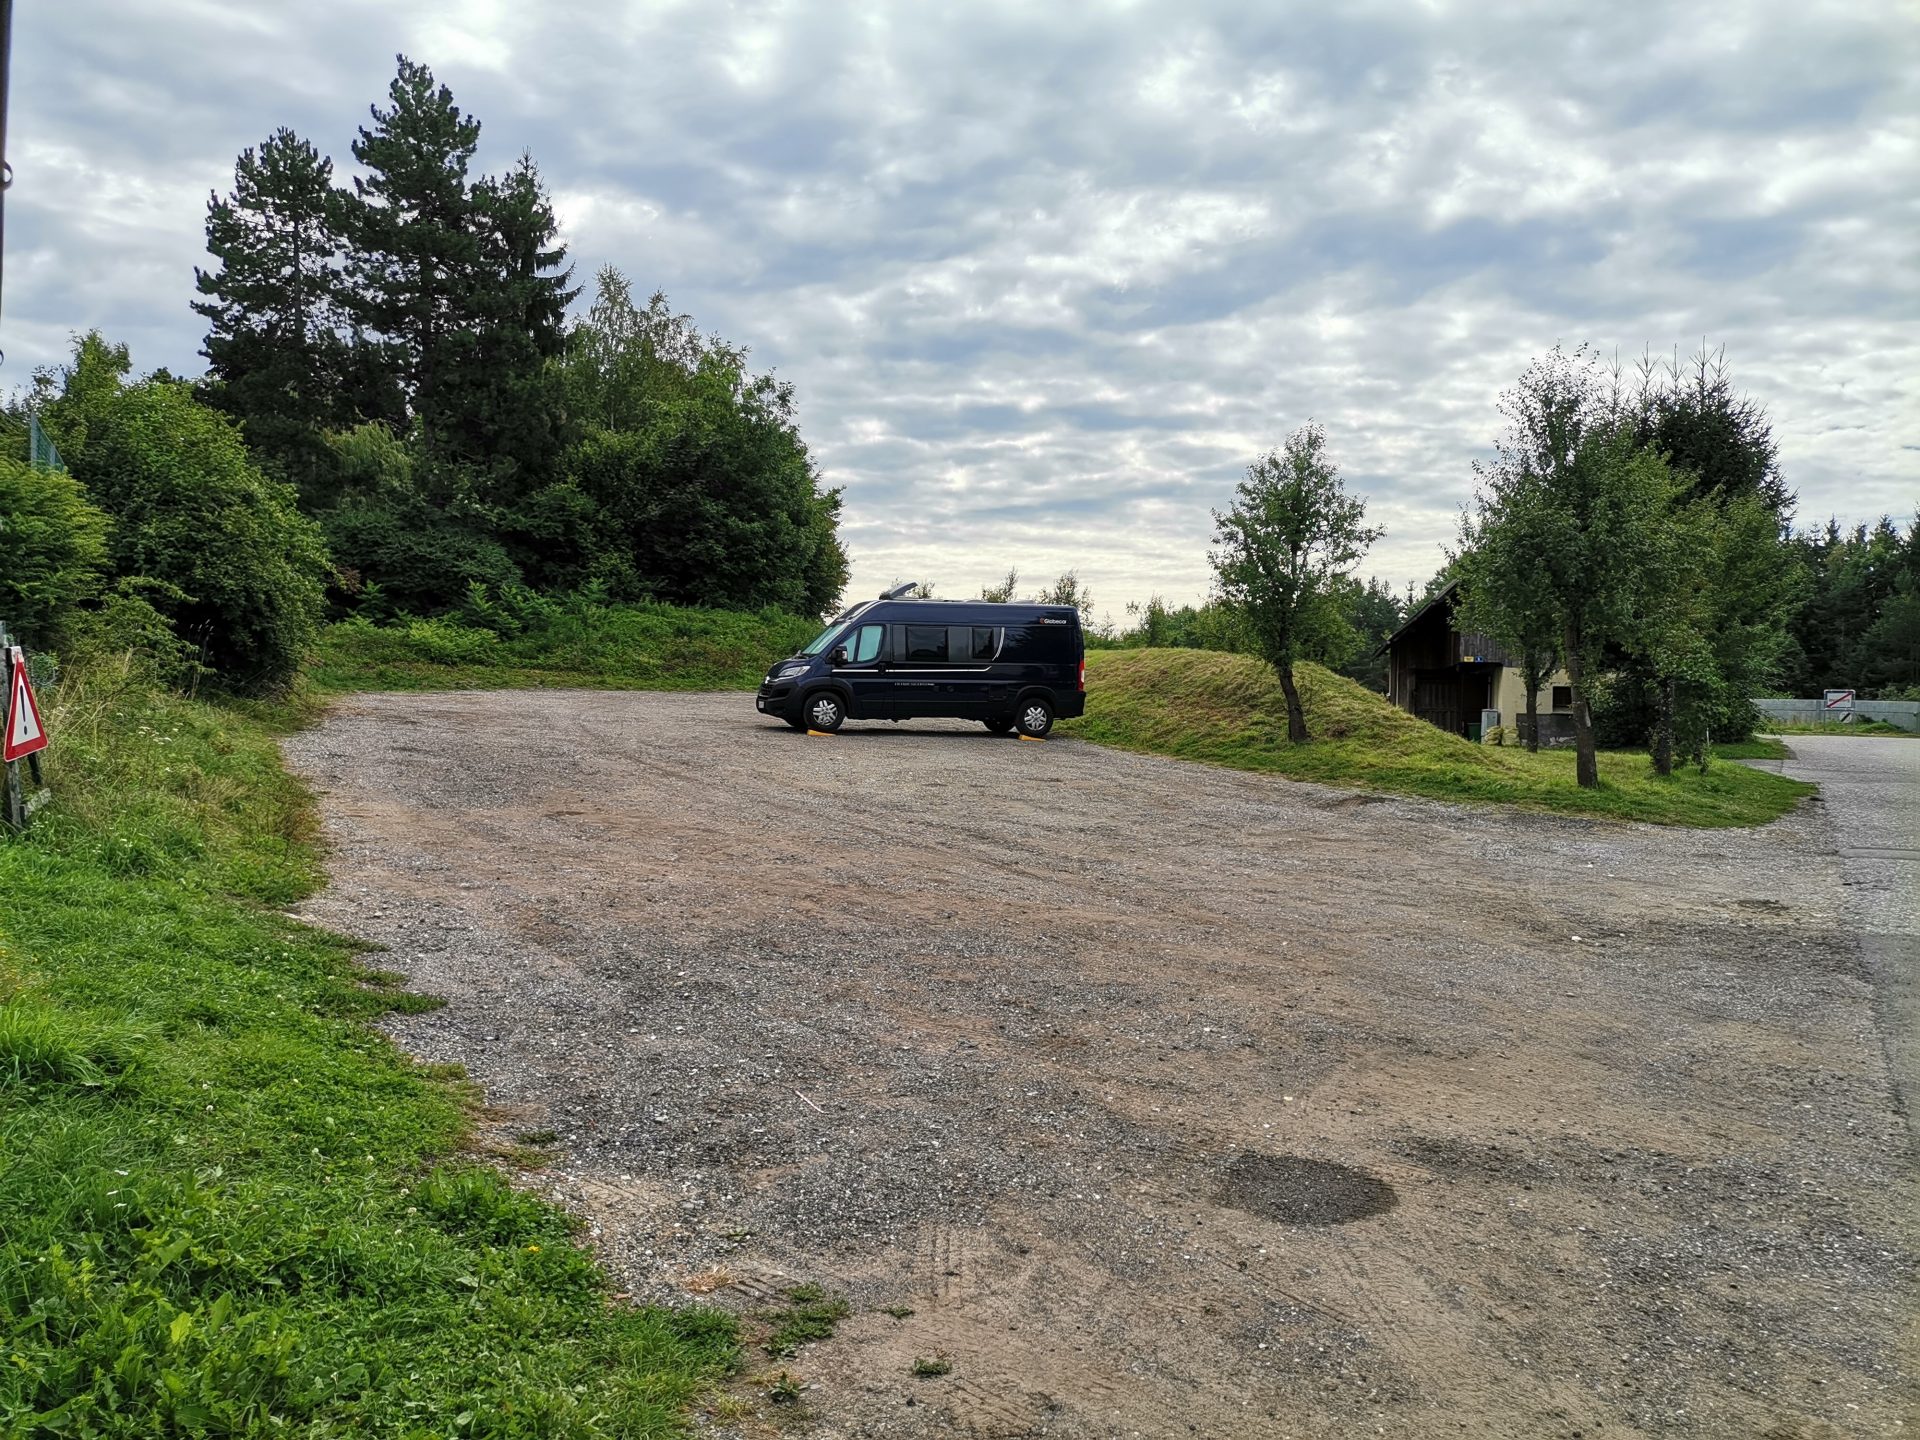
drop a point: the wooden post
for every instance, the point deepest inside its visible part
(13, 801)
(16, 803)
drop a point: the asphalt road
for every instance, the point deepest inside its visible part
(1871, 787)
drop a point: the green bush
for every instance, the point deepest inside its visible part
(401, 555)
(53, 548)
(125, 631)
(447, 642)
(243, 571)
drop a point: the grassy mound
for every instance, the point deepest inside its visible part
(1228, 710)
(227, 1205)
(571, 643)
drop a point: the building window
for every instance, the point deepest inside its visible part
(927, 642)
(1563, 697)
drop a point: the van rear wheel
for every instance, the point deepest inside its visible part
(998, 724)
(1035, 717)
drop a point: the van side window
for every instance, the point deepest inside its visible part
(863, 648)
(927, 642)
(986, 641)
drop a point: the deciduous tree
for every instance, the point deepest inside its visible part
(1570, 486)
(1285, 552)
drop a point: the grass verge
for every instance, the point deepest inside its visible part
(1856, 727)
(1228, 710)
(227, 1205)
(562, 643)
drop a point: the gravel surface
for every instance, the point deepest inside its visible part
(1032, 1039)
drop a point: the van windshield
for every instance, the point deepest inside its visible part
(825, 638)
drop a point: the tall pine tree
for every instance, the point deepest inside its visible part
(509, 409)
(275, 349)
(416, 245)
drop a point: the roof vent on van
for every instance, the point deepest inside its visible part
(897, 591)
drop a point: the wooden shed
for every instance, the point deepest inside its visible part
(1450, 678)
(1441, 675)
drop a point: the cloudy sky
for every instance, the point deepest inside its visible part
(1047, 276)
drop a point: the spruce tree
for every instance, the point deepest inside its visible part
(274, 347)
(509, 410)
(416, 245)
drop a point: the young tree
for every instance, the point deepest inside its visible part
(1722, 640)
(1503, 570)
(1570, 488)
(1067, 590)
(1003, 592)
(1286, 550)
(275, 346)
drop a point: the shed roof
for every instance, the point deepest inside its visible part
(1443, 593)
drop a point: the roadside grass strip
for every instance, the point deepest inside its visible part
(1228, 710)
(228, 1205)
(571, 643)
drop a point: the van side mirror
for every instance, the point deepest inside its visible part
(837, 656)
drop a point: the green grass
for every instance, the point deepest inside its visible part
(1760, 747)
(227, 1205)
(1854, 727)
(574, 643)
(1228, 710)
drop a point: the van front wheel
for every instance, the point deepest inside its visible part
(825, 712)
(1035, 717)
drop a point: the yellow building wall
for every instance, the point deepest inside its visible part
(1510, 694)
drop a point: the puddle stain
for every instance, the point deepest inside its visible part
(1297, 1191)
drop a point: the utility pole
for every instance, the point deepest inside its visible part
(6, 170)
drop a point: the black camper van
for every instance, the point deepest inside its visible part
(1011, 667)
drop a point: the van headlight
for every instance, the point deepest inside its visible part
(787, 672)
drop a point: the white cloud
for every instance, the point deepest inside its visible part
(1047, 278)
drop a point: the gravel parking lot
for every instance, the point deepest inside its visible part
(1168, 1100)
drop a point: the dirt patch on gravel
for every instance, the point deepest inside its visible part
(1036, 1052)
(1303, 1192)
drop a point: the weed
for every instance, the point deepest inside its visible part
(899, 1312)
(931, 1367)
(811, 1314)
(536, 1138)
(786, 1388)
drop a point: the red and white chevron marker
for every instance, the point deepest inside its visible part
(25, 732)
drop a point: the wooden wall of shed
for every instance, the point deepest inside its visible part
(1428, 644)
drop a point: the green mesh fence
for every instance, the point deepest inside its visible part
(40, 452)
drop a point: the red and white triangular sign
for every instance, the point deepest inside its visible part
(25, 734)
